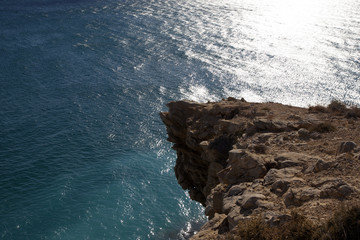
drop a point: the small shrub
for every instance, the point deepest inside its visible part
(317, 109)
(353, 112)
(323, 127)
(298, 228)
(345, 224)
(260, 148)
(337, 107)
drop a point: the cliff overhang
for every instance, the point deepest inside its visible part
(241, 159)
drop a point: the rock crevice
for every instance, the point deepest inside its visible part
(241, 159)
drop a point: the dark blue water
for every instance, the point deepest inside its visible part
(83, 153)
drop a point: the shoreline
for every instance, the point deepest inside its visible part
(241, 160)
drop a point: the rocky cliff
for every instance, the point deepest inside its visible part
(241, 159)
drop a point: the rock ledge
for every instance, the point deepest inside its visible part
(241, 159)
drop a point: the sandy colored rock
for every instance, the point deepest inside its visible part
(242, 159)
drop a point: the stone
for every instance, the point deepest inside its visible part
(291, 159)
(266, 161)
(235, 216)
(285, 173)
(230, 203)
(346, 147)
(297, 197)
(334, 188)
(210, 229)
(251, 200)
(280, 186)
(242, 166)
(236, 190)
(304, 134)
(321, 165)
(264, 137)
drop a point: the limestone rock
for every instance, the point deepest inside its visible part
(236, 190)
(293, 159)
(334, 188)
(242, 166)
(242, 159)
(275, 174)
(251, 200)
(297, 197)
(211, 229)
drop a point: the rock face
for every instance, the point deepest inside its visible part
(241, 159)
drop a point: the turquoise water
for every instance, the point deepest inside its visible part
(83, 153)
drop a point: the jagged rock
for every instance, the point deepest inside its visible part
(265, 125)
(251, 200)
(334, 188)
(321, 165)
(243, 159)
(230, 202)
(304, 134)
(242, 166)
(236, 190)
(275, 174)
(235, 216)
(280, 186)
(214, 201)
(346, 147)
(293, 159)
(264, 137)
(211, 229)
(297, 197)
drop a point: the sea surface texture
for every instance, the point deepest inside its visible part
(83, 153)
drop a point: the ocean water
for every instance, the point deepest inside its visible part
(83, 153)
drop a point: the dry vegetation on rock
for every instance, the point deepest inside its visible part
(269, 169)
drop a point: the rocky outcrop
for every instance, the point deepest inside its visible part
(241, 159)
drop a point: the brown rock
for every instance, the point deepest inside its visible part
(297, 197)
(275, 174)
(210, 229)
(346, 147)
(334, 188)
(251, 200)
(242, 166)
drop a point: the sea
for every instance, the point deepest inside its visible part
(83, 152)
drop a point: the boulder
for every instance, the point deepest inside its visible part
(275, 174)
(321, 165)
(243, 166)
(297, 197)
(280, 186)
(251, 200)
(334, 188)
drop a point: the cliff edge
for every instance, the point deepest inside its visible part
(243, 160)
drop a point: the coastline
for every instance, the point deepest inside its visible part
(242, 160)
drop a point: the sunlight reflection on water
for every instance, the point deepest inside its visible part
(294, 52)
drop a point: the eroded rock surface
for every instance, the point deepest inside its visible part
(242, 159)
